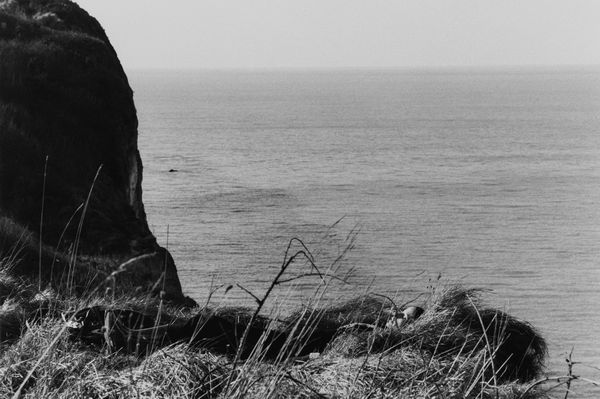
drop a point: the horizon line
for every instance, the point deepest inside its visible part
(416, 68)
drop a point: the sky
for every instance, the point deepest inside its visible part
(214, 34)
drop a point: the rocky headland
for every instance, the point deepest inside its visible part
(70, 168)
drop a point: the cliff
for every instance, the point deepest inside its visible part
(66, 115)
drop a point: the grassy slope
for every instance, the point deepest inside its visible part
(443, 354)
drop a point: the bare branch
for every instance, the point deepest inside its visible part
(312, 275)
(258, 301)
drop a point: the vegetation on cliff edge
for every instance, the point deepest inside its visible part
(456, 349)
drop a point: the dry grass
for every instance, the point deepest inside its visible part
(457, 349)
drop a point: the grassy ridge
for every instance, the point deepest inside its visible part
(456, 349)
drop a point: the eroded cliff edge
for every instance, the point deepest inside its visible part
(66, 115)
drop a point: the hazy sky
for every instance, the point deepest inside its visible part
(349, 33)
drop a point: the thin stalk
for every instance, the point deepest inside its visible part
(71, 274)
(42, 224)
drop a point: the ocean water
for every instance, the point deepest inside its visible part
(490, 178)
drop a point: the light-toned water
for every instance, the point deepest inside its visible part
(491, 178)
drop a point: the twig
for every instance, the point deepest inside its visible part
(564, 379)
(337, 222)
(596, 383)
(570, 370)
(312, 275)
(287, 261)
(213, 290)
(560, 380)
(257, 299)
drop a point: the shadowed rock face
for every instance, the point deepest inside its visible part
(64, 97)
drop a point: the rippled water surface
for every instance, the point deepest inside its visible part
(491, 178)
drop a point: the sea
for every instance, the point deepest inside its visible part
(395, 182)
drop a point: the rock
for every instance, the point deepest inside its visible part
(157, 270)
(408, 315)
(68, 131)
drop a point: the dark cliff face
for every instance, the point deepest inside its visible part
(64, 97)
